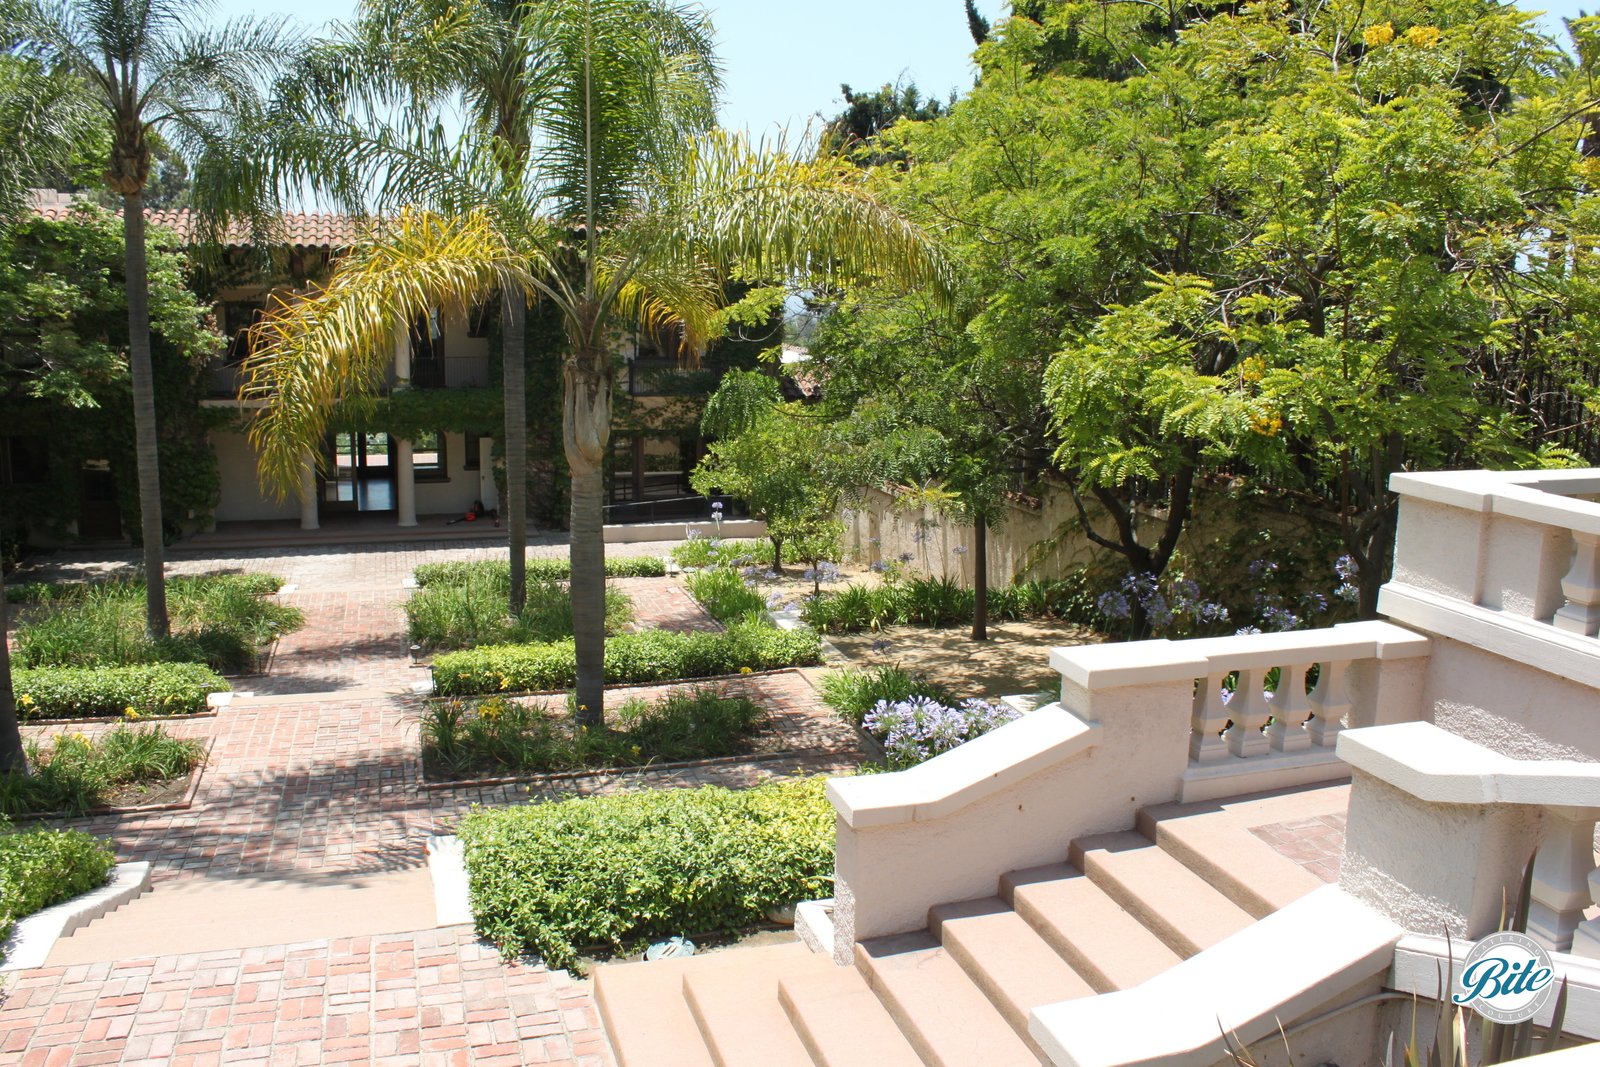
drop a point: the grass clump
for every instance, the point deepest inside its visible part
(940, 602)
(725, 593)
(472, 612)
(638, 659)
(108, 692)
(853, 693)
(539, 570)
(76, 773)
(42, 868)
(557, 879)
(498, 736)
(222, 621)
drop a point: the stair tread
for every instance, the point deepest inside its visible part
(841, 1021)
(940, 1010)
(733, 996)
(646, 1017)
(1176, 904)
(1015, 967)
(1109, 947)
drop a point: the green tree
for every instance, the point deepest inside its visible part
(631, 210)
(151, 74)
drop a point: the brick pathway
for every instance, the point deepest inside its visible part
(1315, 844)
(434, 997)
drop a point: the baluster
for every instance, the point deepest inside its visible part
(1249, 711)
(1210, 716)
(1290, 710)
(1330, 703)
(1581, 615)
(1562, 876)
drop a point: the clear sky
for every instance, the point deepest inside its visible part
(784, 62)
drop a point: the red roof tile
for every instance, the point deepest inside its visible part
(300, 230)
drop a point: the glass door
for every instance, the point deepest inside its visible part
(360, 474)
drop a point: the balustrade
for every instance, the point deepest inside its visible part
(1566, 883)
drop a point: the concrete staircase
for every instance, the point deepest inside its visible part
(1121, 908)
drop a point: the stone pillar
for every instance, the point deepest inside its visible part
(308, 493)
(487, 491)
(405, 483)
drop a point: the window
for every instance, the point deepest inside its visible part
(469, 459)
(481, 319)
(427, 352)
(428, 457)
(237, 318)
(24, 460)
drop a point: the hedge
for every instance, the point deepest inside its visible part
(546, 570)
(642, 658)
(554, 879)
(91, 692)
(42, 868)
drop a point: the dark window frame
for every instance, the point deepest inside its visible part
(432, 473)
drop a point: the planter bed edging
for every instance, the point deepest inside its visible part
(34, 937)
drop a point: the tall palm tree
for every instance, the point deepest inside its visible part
(151, 72)
(631, 209)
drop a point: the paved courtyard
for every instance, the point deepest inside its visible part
(315, 781)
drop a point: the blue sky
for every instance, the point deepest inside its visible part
(784, 63)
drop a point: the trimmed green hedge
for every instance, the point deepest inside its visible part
(46, 592)
(555, 879)
(42, 868)
(539, 570)
(94, 692)
(642, 658)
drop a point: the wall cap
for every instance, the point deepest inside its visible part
(1440, 767)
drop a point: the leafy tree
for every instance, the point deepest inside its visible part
(854, 131)
(151, 74)
(631, 210)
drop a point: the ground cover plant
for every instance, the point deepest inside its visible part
(108, 692)
(42, 868)
(539, 570)
(463, 739)
(725, 593)
(560, 879)
(939, 602)
(74, 774)
(853, 692)
(222, 621)
(642, 658)
(911, 717)
(470, 610)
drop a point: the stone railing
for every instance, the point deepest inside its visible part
(1496, 557)
(1244, 736)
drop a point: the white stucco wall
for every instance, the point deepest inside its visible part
(242, 498)
(1510, 707)
(455, 496)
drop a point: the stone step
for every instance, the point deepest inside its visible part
(645, 1016)
(941, 1012)
(1214, 840)
(1103, 943)
(1152, 885)
(841, 1021)
(733, 996)
(1007, 959)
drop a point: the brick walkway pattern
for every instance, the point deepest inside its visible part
(1315, 844)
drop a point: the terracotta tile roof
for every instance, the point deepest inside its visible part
(300, 230)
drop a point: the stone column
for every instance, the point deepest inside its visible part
(308, 493)
(487, 491)
(402, 355)
(405, 483)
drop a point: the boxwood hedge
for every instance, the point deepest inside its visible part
(42, 868)
(546, 570)
(555, 879)
(91, 692)
(642, 658)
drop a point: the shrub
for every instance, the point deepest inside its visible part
(42, 868)
(499, 735)
(48, 592)
(473, 612)
(725, 593)
(219, 620)
(651, 656)
(715, 552)
(555, 879)
(853, 693)
(539, 570)
(93, 692)
(918, 728)
(940, 602)
(76, 773)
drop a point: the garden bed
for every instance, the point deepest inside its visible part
(120, 771)
(42, 868)
(143, 691)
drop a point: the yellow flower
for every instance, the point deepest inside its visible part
(130, 713)
(636, 750)
(745, 670)
(25, 700)
(1379, 35)
(1423, 36)
(1253, 369)
(1267, 425)
(505, 683)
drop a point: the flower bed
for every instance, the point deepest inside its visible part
(725, 593)
(109, 692)
(941, 602)
(452, 615)
(42, 868)
(498, 736)
(652, 656)
(907, 718)
(557, 879)
(76, 774)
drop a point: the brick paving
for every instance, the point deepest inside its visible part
(319, 774)
(1315, 844)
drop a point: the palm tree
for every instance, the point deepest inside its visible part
(150, 73)
(630, 210)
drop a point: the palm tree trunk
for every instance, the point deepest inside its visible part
(146, 451)
(586, 425)
(13, 759)
(980, 578)
(513, 360)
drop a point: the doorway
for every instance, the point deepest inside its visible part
(360, 474)
(99, 514)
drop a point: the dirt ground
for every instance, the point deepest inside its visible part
(1015, 659)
